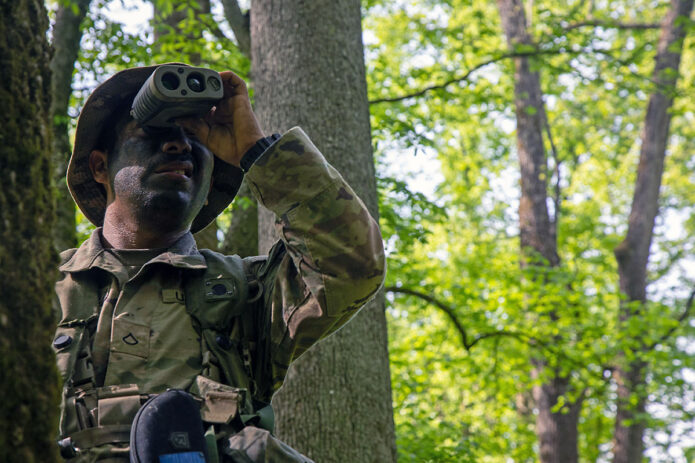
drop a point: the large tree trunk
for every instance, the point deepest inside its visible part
(29, 381)
(556, 431)
(633, 253)
(66, 46)
(168, 21)
(308, 69)
(242, 235)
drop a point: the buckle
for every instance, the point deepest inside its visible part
(67, 450)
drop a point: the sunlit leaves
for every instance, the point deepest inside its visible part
(596, 77)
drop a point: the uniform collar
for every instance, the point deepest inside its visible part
(182, 254)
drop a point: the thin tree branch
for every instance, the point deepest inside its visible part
(477, 67)
(557, 194)
(467, 345)
(464, 76)
(217, 32)
(240, 24)
(685, 314)
(611, 25)
(449, 311)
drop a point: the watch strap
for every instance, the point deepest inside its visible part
(256, 151)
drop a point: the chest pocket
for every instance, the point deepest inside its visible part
(129, 337)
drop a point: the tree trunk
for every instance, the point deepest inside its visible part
(29, 381)
(308, 70)
(167, 21)
(66, 46)
(239, 22)
(633, 253)
(242, 235)
(556, 431)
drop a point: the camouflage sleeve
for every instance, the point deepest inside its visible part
(335, 257)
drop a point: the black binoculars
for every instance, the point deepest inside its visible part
(174, 91)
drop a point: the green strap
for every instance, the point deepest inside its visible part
(211, 443)
(102, 339)
(93, 437)
(262, 418)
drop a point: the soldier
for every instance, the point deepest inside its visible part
(144, 311)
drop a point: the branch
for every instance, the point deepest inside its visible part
(463, 77)
(467, 345)
(611, 25)
(557, 194)
(680, 319)
(449, 311)
(219, 33)
(500, 57)
(240, 24)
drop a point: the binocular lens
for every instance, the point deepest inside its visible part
(170, 81)
(196, 82)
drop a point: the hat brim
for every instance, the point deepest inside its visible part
(89, 195)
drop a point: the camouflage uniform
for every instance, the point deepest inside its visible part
(121, 339)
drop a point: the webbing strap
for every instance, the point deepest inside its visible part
(102, 340)
(92, 437)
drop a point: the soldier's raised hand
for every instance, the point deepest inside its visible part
(231, 128)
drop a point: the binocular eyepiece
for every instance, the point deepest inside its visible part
(174, 91)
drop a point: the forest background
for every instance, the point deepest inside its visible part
(534, 167)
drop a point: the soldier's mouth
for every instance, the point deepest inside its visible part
(178, 168)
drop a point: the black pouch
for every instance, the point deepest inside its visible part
(168, 429)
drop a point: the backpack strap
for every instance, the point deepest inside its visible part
(216, 299)
(225, 302)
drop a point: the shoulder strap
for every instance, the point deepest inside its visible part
(218, 294)
(214, 299)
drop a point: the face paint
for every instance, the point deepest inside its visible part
(163, 175)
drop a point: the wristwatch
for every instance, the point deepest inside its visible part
(256, 151)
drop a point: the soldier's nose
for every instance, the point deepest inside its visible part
(176, 143)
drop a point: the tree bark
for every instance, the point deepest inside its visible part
(632, 253)
(556, 431)
(240, 24)
(66, 46)
(166, 22)
(29, 381)
(242, 235)
(308, 70)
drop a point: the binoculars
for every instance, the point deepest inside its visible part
(174, 91)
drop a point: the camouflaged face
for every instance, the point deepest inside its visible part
(106, 98)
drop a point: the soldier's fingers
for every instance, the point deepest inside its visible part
(233, 84)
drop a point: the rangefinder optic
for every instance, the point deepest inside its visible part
(174, 91)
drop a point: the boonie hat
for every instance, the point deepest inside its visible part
(89, 195)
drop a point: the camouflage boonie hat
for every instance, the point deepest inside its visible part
(104, 100)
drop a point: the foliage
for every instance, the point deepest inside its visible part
(596, 81)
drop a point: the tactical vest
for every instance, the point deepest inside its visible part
(226, 304)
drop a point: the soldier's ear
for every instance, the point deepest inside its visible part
(99, 167)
